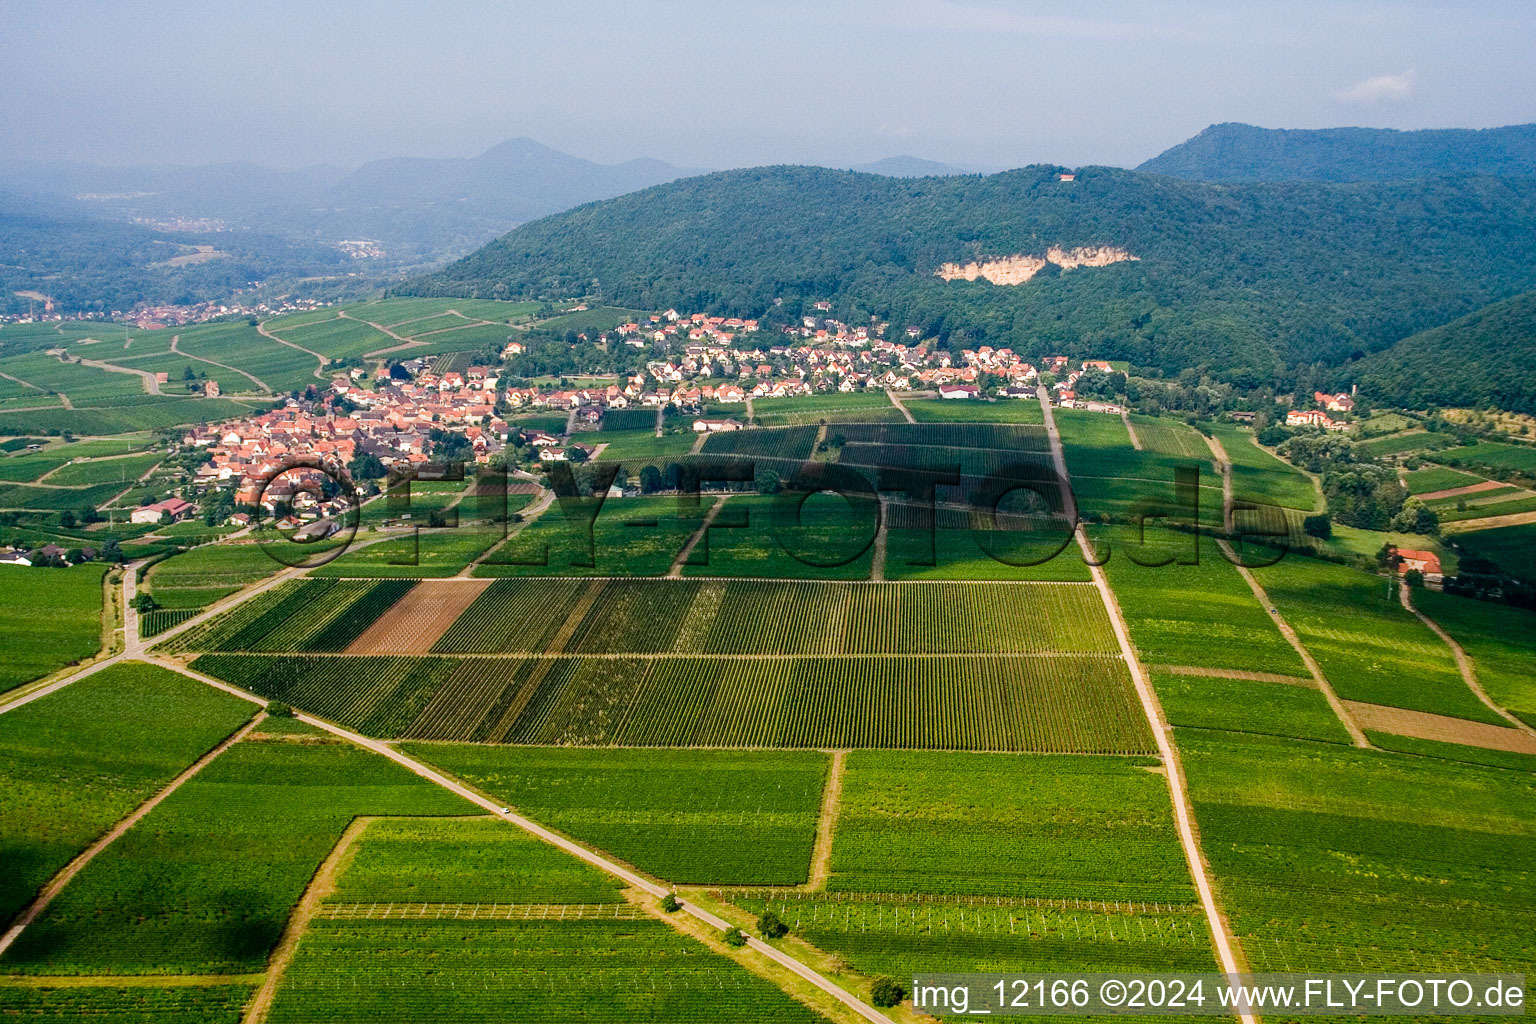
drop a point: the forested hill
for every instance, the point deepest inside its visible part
(1245, 279)
(1485, 358)
(1241, 152)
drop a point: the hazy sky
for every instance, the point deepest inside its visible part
(727, 83)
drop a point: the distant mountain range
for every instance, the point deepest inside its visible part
(1244, 279)
(910, 167)
(1241, 152)
(421, 209)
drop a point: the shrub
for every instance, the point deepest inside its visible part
(670, 904)
(887, 991)
(277, 709)
(734, 937)
(770, 926)
(1319, 526)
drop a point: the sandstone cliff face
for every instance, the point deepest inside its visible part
(1087, 256)
(1019, 268)
(1008, 270)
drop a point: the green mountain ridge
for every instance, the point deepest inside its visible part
(1243, 279)
(1484, 358)
(1243, 152)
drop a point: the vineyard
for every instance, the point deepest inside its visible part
(1369, 647)
(465, 861)
(127, 1004)
(940, 410)
(298, 615)
(983, 825)
(688, 816)
(1334, 859)
(205, 883)
(1081, 704)
(51, 618)
(773, 617)
(76, 762)
(794, 443)
(1005, 436)
(618, 971)
(153, 623)
(1203, 614)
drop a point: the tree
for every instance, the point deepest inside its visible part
(1319, 526)
(144, 603)
(733, 937)
(670, 904)
(277, 709)
(886, 992)
(768, 482)
(1414, 578)
(112, 551)
(67, 519)
(771, 926)
(650, 480)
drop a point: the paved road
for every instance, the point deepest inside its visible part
(1220, 935)
(534, 828)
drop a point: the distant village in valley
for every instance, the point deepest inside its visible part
(703, 374)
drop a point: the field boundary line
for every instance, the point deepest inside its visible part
(1224, 465)
(1222, 940)
(1234, 673)
(176, 348)
(323, 361)
(1125, 417)
(1463, 661)
(321, 885)
(675, 570)
(684, 655)
(826, 823)
(602, 863)
(1356, 734)
(65, 874)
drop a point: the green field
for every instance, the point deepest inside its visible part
(1511, 548)
(1368, 646)
(280, 367)
(203, 575)
(205, 883)
(794, 443)
(472, 919)
(1417, 441)
(1491, 456)
(994, 825)
(1248, 706)
(430, 553)
(1500, 640)
(77, 761)
(336, 339)
(641, 447)
(942, 410)
(1065, 704)
(1262, 478)
(1334, 859)
(465, 860)
(52, 618)
(1202, 614)
(1437, 478)
(781, 617)
(623, 537)
(123, 470)
(127, 1004)
(705, 817)
(859, 407)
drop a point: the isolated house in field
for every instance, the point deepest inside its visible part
(958, 391)
(1427, 562)
(176, 508)
(704, 426)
